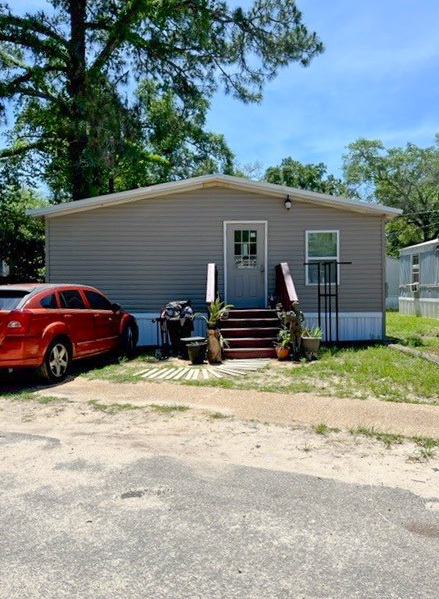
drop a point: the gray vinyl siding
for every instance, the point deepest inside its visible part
(145, 253)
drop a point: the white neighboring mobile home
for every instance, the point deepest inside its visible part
(148, 246)
(419, 279)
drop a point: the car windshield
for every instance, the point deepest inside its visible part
(10, 298)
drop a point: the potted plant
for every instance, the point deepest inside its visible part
(218, 311)
(311, 338)
(292, 321)
(283, 345)
(197, 351)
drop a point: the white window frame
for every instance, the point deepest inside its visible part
(418, 269)
(322, 258)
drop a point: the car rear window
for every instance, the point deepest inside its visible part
(9, 299)
(49, 301)
(72, 299)
(98, 301)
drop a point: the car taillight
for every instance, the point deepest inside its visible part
(18, 322)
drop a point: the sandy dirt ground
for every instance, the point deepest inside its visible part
(84, 430)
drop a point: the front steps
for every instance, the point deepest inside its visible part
(250, 333)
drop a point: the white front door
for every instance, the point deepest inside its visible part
(245, 264)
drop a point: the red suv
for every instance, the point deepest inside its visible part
(47, 326)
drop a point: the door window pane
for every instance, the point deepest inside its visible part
(246, 253)
(72, 299)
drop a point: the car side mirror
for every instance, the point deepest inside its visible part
(116, 307)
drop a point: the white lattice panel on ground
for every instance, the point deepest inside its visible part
(203, 372)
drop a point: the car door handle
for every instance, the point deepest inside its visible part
(68, 316)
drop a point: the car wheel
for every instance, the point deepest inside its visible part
(128, 341)
(57, 361)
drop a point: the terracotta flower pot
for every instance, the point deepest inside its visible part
(282, 352)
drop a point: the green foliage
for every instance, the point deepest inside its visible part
(284, 336)
(21, 237)
(218, 310)
(67, 73)
(313, 332)
(306, 176)
(406, 178)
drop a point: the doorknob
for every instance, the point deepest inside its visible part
(262, 268)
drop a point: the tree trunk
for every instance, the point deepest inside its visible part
(77, 91)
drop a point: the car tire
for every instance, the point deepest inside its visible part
(57, 361)
(128, 341)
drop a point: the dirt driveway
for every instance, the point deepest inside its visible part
(237, 427)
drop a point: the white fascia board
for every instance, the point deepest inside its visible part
(206, 181)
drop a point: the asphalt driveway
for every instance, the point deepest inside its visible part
(157, 527)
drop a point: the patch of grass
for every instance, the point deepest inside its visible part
(113, 408)
(168, 409)
(387, 438)
(26, 395)
(427, 445)
(373, 371)
(324, 429)
(18, 394)
(414, 331)
(224, 383)
(45, 399)
(217, 416)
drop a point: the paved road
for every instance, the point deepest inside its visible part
(159, 529)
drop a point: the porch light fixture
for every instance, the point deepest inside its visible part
(288, 203)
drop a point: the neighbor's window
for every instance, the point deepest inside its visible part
(321, 246)
(415, 268)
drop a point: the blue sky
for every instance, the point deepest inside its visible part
(378, 78)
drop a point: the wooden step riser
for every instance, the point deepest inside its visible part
(239, 332)
(252, 314)
(251, 323)
(238, 342)
(241, 354)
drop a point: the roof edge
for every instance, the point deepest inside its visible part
(204, 181)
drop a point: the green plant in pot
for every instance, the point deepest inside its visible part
(218, 311)
(311, 338)
(283, 344)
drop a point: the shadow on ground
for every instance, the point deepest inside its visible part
(21, 380)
